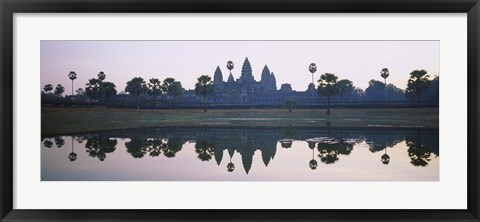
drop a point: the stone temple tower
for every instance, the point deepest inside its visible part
(218, 78)
(246, 75)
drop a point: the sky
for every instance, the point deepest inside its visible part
(358, 61)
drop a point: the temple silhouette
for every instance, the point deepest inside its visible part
(245, 90)
(229, 92)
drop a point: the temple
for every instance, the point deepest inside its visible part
(246, 91)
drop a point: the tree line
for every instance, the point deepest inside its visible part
(418, 82)
(140, 92)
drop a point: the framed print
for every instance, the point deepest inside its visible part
(265, 110)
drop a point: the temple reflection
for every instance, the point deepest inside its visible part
(328, 145)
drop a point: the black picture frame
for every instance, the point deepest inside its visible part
(9, 7)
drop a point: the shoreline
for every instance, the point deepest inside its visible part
(76, 120)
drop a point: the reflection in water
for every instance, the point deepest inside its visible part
(59, 142)
(327, 146)
(72, 156)
(385, 157)
(330, 148)
(99, 146)
(419, 150)
(48, 143)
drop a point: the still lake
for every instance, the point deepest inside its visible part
(213, 153)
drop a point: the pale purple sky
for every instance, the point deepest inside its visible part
(359, 61)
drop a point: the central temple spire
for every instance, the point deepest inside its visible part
(246, 75)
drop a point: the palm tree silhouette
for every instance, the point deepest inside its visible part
(48, 88)
(230, 66)
(384, 74)
(203, 88)
(101, 76)
(418, 82)
(312, 68)
(327, 87)
(72, 76)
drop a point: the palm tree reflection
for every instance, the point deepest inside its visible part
(204, 149)
(99, 146)
(247, 140)
(313, 163)
(155, 148)
(137, 147)
(385, 157)
(173, 146)
(418, 152)
(328, 152)
(48, 143)
(72, 156)
(331, 148)
(59, 142)
(230, 165)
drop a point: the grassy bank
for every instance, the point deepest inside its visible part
(70, 120)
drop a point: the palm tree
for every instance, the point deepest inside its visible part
(136, 87)
(312, 68)
(155, 87)
(418, 81)
(203, 88)
(173, 89)
(59, 90)
(230, 66)
(101, 75)
(384, 74)
(327, 87)
(72, 76)
(345, 87)
(176, 91)
(48, 88)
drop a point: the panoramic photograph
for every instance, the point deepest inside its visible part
(239, 110)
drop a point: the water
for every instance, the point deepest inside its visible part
(243, 154)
